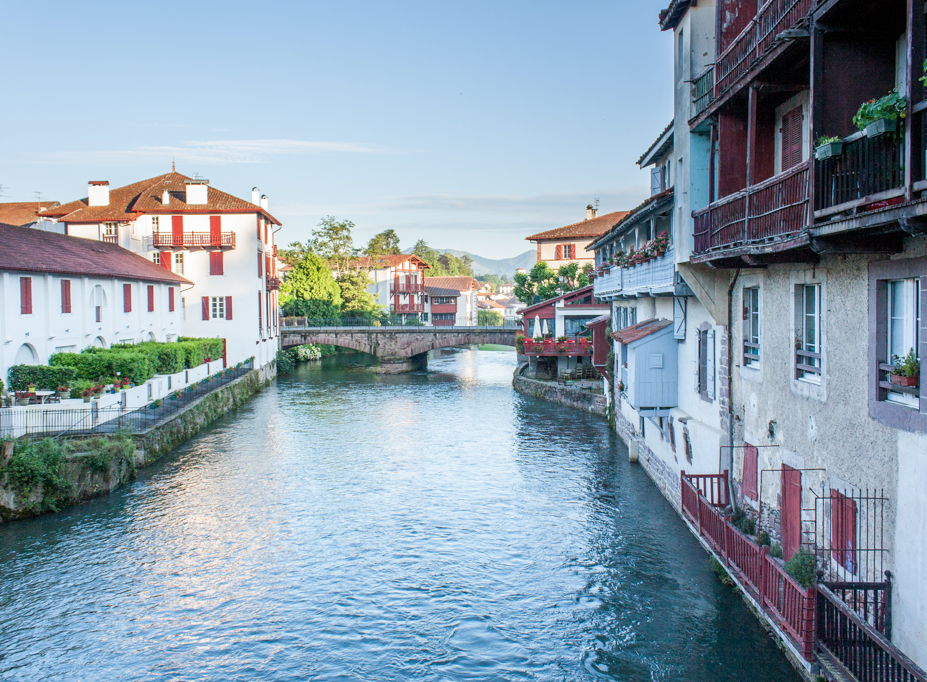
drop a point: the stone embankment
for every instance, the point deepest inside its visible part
(50, 477)
(569, 396)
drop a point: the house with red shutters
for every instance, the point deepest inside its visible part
(397, 282)
(570, 244)
(465, 314)
(61, 294)
(224, 246)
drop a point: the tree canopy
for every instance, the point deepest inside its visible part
(384, 244)
(333, 241)
(443, 264)
(310, 290)
(543, 282)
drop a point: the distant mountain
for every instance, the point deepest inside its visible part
(489, 266)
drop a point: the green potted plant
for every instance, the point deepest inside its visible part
(87, 395)
(156, 404)
(23, 398)
(64, 392)
(879, 116)
(30, 388)
(661, 244)
(828, 147)
(907, 370)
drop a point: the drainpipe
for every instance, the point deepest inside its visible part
(730, 389)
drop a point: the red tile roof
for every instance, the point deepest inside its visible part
(26, 249)
(390, 261)
(587, 228)
(23, 212)
(145, 196)
(638, 331)
(455, 283)
(568, 296)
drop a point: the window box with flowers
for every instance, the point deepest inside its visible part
(879, 116)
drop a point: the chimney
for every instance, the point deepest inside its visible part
(98, 193)
(197, 192)
(264, 202)
(591, 212)
(166, 198)
(255, 196)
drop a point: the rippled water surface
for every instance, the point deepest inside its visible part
(349, 526)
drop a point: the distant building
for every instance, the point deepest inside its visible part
(466, 303)
(441, 306)
(24, 213)
(569, 244)
(62, 294)
(397, 283)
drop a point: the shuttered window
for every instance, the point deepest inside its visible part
(65, 296)
(260, 264)
(25, 295)
(215, 230)
(843, 529)
(705, 364)
(791, 138)
(228, 307)
(170, 299)
(559, 255)
(260, 310)
(150, 298)
(751, 315)
(750, 474)
(127, 298)
(216, 263)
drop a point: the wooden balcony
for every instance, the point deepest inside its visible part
(550, 348)
(205, 240)
(703, 91)
(272, 283)
(655, 276)
(770, 211)
(407, 308)
(868, 171)
(111, 238)
(404, 287)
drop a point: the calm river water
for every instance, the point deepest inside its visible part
(349, 526)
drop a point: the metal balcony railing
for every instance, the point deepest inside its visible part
(193, 239)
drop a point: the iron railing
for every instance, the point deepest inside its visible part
(200, 239)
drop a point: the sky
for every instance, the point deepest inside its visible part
(470, 125)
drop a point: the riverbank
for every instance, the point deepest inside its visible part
(566, 395)
(37, 477)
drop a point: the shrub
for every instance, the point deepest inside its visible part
(43, 377)
(96, 366)
(763, 539)
(743, 522)
(79, 386)
(801, 567)
(285, 362)
(776, 551)
(193, 353)
(38, 464)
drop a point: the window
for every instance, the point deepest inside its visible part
(791, 138)
(25, 295)
(751, 326)
(150, 298)
(568, 252)
(110, 229)
(154, 223)
(843, 529)
(443, 300)
(216, 263)
(439, 317)
(903, 322)
(705, 363)
(808, 332)
(65, 296)
(156, 258)
(260, 264)
(217, 307)
(170, 299)
(178, 263)
(127, 298)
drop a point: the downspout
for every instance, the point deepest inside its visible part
(730, 388)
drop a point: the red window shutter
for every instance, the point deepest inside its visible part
(267, 265)
(843, 529)
(150, 298)
(539, 253)
(177, 230)
(228, 307)
(215, 230)
(559, 255)
(791, 147)
(749, 482)
(127, 298)
(216, 263)
(266, 231)
(260, 306)
(65, 296)
(260, 265)
(25, 295)
(259, 228)
(205, 307)
(170, 299)
(165, 260)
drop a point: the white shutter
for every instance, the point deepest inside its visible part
(695, 363)
(655, 181)
(679, 318)
(710, 365)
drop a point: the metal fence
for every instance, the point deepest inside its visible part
(45, 423)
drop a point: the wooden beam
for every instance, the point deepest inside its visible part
(884, 244)
(914, 153)
(816, 105)
(751, 135)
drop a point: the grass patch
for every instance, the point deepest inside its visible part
(495, 347)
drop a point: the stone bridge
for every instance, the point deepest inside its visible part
(399, 349)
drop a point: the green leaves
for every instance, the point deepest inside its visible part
(310, 290)
(891, 107)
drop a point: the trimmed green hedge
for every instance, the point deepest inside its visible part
(44, 378)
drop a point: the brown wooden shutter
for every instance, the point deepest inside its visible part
(215, 230)
(65, 296)
(25, 295)
(260, 265)
(205, 307)
(749, 476)
(170, 299)
(150, 298)
(127, 298)
(702, 361)
(228, 307)
(539, 253)
(260, 310)
(791, 138)
(791, 511)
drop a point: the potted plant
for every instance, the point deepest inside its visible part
(156, 404)
(879, 116)
(620, 387)
(23, 398)
(30, 388)
(828, 147)
(87, 394)
(661, 243)
(907, 370)
(64, 392)
(175, 395)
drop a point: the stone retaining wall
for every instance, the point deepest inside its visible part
(568, 396)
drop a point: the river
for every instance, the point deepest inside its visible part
(345, 525)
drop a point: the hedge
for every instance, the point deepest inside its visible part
(212, 348)
(44, 378)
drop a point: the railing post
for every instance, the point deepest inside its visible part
(761, 588)
(808, 622)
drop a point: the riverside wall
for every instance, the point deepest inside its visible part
(569, 396)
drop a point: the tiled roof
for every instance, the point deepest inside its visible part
(455, 283)
(490, 305)
(438, 291)
(638, 331)
(586, 228)
(568, 296)
(145, 196)
(391, 261)
(26, 249)
(23, 212)
(670, 16)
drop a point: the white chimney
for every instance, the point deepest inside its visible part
(166, 198)
(98, 193)
(591, 212)
(255, 196)
(197, 192)
(264, 201)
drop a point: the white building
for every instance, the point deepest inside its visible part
(62, 294)
(467, 312)
(570, 244)
(222, 244)
(397, 282)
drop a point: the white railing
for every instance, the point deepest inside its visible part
(655, 275)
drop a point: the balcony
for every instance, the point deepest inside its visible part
(869, 170)
(111, 238)
(654, 276)
(407, 308)
(768, 212)
(176, 240)
(272, 283)
(703, 91)
(549, 348)
(406, 287)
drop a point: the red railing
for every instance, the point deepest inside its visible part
(409, 308)
(404, 287)
(203, 239)
(272, 283)
(553, 348)
(777, 207)
(757, 39)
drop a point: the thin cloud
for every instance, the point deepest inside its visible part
(211, 152)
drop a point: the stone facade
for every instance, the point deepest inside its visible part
(594, 403)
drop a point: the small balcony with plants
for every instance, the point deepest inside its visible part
(629, 271)
(562, 346)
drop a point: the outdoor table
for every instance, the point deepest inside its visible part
(43, 396)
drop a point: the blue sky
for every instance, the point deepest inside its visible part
(468, 124)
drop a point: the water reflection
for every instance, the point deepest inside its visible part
(345, 525)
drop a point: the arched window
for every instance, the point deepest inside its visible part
(26, 355)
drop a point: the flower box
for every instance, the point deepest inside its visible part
(829, 150)
(881, 126)
(900, 380)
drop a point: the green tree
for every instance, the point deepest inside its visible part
(356, 301)
(489, 318)
(333, 242)
(384, 244)
(539, 284)
(294, 253)
(443, 264)
(310, 290)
